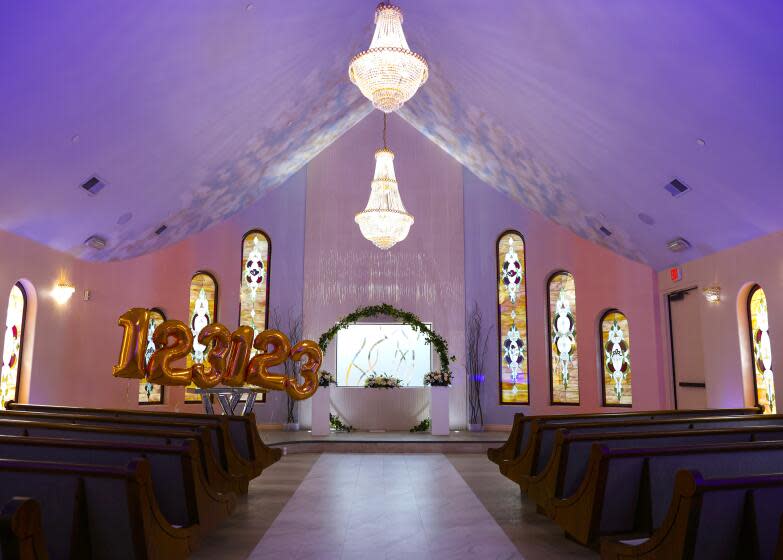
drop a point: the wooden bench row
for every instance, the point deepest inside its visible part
(605, 480)
(117, 485)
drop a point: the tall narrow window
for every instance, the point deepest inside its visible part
(202, 312)
(761, 349)
(13, 345)
(150, 393)
(616, 362)
(563, 362)
(512, 319)
(254, 290)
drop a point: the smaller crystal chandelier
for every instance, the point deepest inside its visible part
(388, 73)
(384, 221)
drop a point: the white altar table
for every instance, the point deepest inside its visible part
(381, 409)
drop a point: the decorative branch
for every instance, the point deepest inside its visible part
(477, 340)
(291, 368)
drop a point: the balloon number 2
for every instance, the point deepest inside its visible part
(228, 360)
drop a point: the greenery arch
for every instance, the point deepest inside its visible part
(436, 341)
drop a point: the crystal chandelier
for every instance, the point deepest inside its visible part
(384, 221)
(388, 73)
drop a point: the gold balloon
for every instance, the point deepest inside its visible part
(173, 340)
(135, 323)
(238, 357)
(258, 368)
(217, 338)
(309, 370)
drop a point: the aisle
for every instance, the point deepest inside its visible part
(384, 506)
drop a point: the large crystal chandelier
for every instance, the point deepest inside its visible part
(388, 73)
(384, 221)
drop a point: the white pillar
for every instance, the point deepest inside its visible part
(439, 410)
(321, 407)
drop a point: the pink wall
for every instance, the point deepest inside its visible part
(423, 274)
(322, 264)
(77, 344)
(603, 280)
(726, 350)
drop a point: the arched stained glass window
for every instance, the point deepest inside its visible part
(254, 290)
(563, 361)
(616, 360)
(761, 349)
(201, 312)
(512, 319)
(13, 344)
(151, 393)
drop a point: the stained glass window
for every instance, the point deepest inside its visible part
(201, 312)
(512, 319)
(563, 361)
(151, 393)
(763, 378)
(12, 345)
(616, 360)
(254, 290)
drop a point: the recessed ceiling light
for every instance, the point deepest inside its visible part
(249, 6)
(701, 142)
(75, 138)
(96, 242)
(125, 218)
(678, 245)
(646, 218)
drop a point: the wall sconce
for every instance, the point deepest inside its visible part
(712, 294)
(63, 291)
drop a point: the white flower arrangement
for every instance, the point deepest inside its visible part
(382, 381)
(326, 378)
(438, 378)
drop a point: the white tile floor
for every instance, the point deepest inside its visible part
(384, 506)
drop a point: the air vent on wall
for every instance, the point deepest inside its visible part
(96, 242)
(677, 188)
(161, 229)
(605, 231)
(93, 185)
(678, 245)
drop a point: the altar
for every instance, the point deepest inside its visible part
(381, 409)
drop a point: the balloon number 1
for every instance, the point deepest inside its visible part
(228, 360)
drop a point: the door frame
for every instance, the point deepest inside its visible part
(673, 294)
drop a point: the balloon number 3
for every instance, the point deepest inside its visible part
(228, 360)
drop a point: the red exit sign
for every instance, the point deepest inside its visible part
(675, 273)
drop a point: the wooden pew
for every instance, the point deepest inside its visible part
(242, 429)
(542, 437)
(583, 494)
(224, 450)
(21, 531)
(219, 480)
(91, 511)
(713, 519)
(183, 495)
(520, 429)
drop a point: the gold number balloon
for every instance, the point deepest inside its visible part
(173, 341)
(258, 368)
(134, 323)
(209, 374)
(235, 373)
(309, 370)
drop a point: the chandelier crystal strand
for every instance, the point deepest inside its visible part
(388, 73)
(384, 220)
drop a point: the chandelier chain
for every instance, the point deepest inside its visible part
(384, 130)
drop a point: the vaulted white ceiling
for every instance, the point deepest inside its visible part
(581, 111)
